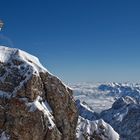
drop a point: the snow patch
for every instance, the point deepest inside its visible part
(5, 95)
(31, 60)
(44, 107)
(6, 53)
(3, 136)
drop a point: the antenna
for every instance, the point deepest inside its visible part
(1, 24)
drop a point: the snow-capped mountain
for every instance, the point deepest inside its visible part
(124, 117)
(101, 96)
(95, 130)
(90, 126)
(34, 104)
(122, 112)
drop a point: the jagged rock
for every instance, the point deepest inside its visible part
(86, 112)
(124, 117)
(95, 130)
(34, 104)
(91, 127)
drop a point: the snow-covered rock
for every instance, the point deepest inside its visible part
(95, 130)
(85, 111)
(91, 127)
(34, 104)
(117, 104)
(124, 117)
(3, 136)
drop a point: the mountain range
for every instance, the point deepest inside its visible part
(36, 105)
(116, 103)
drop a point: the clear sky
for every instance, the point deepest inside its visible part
(78, 40)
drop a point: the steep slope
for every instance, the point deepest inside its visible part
(95, 130)
(124, 117)
(34, 104)
(90, 127)
(85, 111)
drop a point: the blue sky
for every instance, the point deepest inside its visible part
(78, 40)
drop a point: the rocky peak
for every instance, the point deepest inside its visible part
(124, 117)
(34, 104)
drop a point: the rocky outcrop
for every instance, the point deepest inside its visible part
(86, 112)
(95, 130)
(34, 104)
(119, 105)
(91, 127)
(124, 117)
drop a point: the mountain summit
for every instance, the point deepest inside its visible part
(34, 104)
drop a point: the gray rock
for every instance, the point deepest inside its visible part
(124, 117)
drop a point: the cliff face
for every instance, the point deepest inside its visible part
(34, 104)
(91, 127)
(124, 117)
